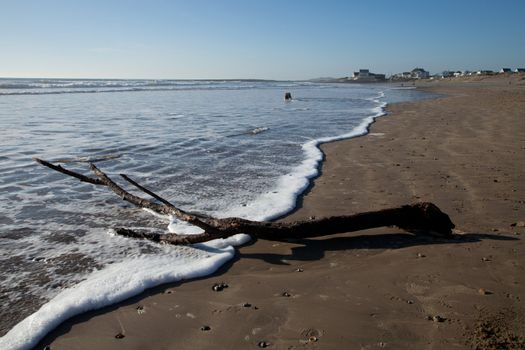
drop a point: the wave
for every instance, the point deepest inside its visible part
(59, 86)
(251, 132)
(283, 198)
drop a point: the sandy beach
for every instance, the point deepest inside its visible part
(374, 289)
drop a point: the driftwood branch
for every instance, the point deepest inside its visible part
(425, 217)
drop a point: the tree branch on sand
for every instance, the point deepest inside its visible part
(420, 217)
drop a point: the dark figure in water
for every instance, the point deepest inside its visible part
(288, 96)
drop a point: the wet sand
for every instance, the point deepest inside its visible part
(380, 288)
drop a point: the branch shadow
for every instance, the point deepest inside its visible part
(315, 249)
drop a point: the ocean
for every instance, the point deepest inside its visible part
(225, 148)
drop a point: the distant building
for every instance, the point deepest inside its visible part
(366, 75)
(505, 70)
(419, 73)
(416, 73)
(519, 70)
(484, 72)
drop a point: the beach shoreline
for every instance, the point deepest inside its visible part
(371, 289)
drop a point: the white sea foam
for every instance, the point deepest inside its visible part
(283, 198)
(114, 283)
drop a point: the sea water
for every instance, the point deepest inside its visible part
(225, 148)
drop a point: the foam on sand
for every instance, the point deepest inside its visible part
(283, 198)
(115, 283)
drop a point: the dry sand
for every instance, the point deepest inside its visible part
(381, 288)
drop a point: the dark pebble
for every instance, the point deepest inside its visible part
(286, 294)
(205, 328)
(438, 318)
(518, 224)
(247, 305)
(217, 287)
(299, 270)
(263, 344)
(119, 336)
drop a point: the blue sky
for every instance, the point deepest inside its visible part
(269, 39)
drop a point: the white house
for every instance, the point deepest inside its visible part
(484, 72)
(419, 73)
(365, 75)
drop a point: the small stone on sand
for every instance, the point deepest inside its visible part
(217, 287)
(263, 344)
(119, 336)
(483, 291)
(205, 328)
(438, 318)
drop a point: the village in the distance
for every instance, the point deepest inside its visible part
(365, 76)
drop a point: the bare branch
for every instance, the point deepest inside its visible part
(183, 215)
(128, 197)
(145, 190)
(104, 180)
(168, 238)
(62, 170)
(420, 216)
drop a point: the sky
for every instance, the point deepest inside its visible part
(256, 39)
